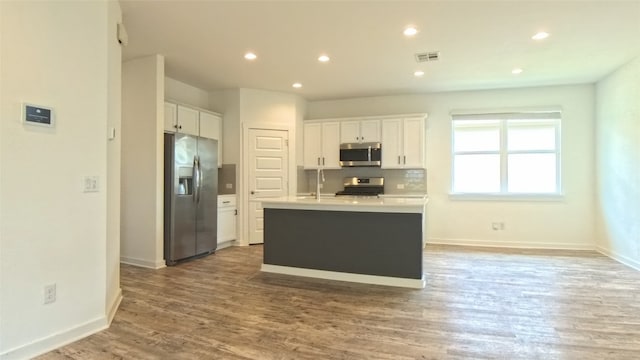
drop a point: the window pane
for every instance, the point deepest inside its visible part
(476, 173)
(531, 173)
(477, 138)
(529, 136)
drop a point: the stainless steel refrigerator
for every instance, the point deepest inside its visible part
(190, 197)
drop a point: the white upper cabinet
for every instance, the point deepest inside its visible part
(359, 131)
(188, 120)
(331, 145)
(370, 131)
(403, 143)
(321, 145)
(170, 117)
(211, 128)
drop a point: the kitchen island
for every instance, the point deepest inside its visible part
(367, 240)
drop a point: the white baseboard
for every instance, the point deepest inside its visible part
(510, 244)
(115, 304)
(158, 264)
(225, 245)
(340, 276)
(56, 340)
(619, 258)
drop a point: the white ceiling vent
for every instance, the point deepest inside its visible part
(428, 56)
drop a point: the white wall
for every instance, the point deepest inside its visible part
(257, 108)
(618, 164)
(142, 162)
(184, 93)
(54, 54)
(227, 102)
(114, 111)
(557, 224)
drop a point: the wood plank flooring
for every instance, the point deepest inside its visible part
(478, 304)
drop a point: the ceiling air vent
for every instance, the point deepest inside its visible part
(428, 56)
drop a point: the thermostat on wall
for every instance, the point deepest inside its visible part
(37, 115)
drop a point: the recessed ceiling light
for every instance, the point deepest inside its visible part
(410, 31)
(323, 58)
(516, 71)
(250, 56)
(418, 73)
(541, 35)
(297, 85)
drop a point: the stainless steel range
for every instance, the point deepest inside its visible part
(355, 186)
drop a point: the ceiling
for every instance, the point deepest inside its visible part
(480, 42)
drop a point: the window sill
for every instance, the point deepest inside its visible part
(506, 197)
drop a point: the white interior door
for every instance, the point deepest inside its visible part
(268, 174)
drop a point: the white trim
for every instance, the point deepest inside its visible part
(341, 276)
(158, 264)
(507, 110)
(510, 244)
(56, 340)
(507, 197)
(115, 304)
(625, 260)
(371, 117)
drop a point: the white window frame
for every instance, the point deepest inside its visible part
(549, 116)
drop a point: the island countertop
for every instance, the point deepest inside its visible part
(348, 203)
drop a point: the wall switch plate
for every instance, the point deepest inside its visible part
(228, 186)
(50, 294)
(91, 184)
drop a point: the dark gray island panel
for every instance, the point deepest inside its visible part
(370, 243)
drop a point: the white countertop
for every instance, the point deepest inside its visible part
(414, 205)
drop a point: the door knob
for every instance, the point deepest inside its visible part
(253, 192)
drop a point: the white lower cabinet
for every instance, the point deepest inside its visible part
(227, 214)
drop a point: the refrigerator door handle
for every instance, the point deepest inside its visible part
(196, 179)
(199, 179)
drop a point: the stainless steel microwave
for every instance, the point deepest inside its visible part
(360, 154)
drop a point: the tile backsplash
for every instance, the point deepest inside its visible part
(226, 177)
(414, 181)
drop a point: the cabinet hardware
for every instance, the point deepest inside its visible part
(318, 161)
(322, 160)
(236, 211)
(226, 202)
(398, 159)
(405, 159)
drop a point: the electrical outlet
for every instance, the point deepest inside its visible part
(228, 186)
(400, 186)
(496, 226)
(321, 186)
(91, 184)
(50, 293)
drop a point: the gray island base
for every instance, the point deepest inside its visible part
(357, 241)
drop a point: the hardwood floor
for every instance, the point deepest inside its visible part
(478, 304)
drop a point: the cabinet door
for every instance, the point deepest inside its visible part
(226, 224)
(331, 145)
(170, 117)
(188, 120)
(370, 131)
(413, 139)
(392, 156)
(312, 150)
(349, 132)
(210, 127)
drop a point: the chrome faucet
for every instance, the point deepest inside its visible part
(319, 173)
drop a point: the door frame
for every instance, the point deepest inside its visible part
(243, 172)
